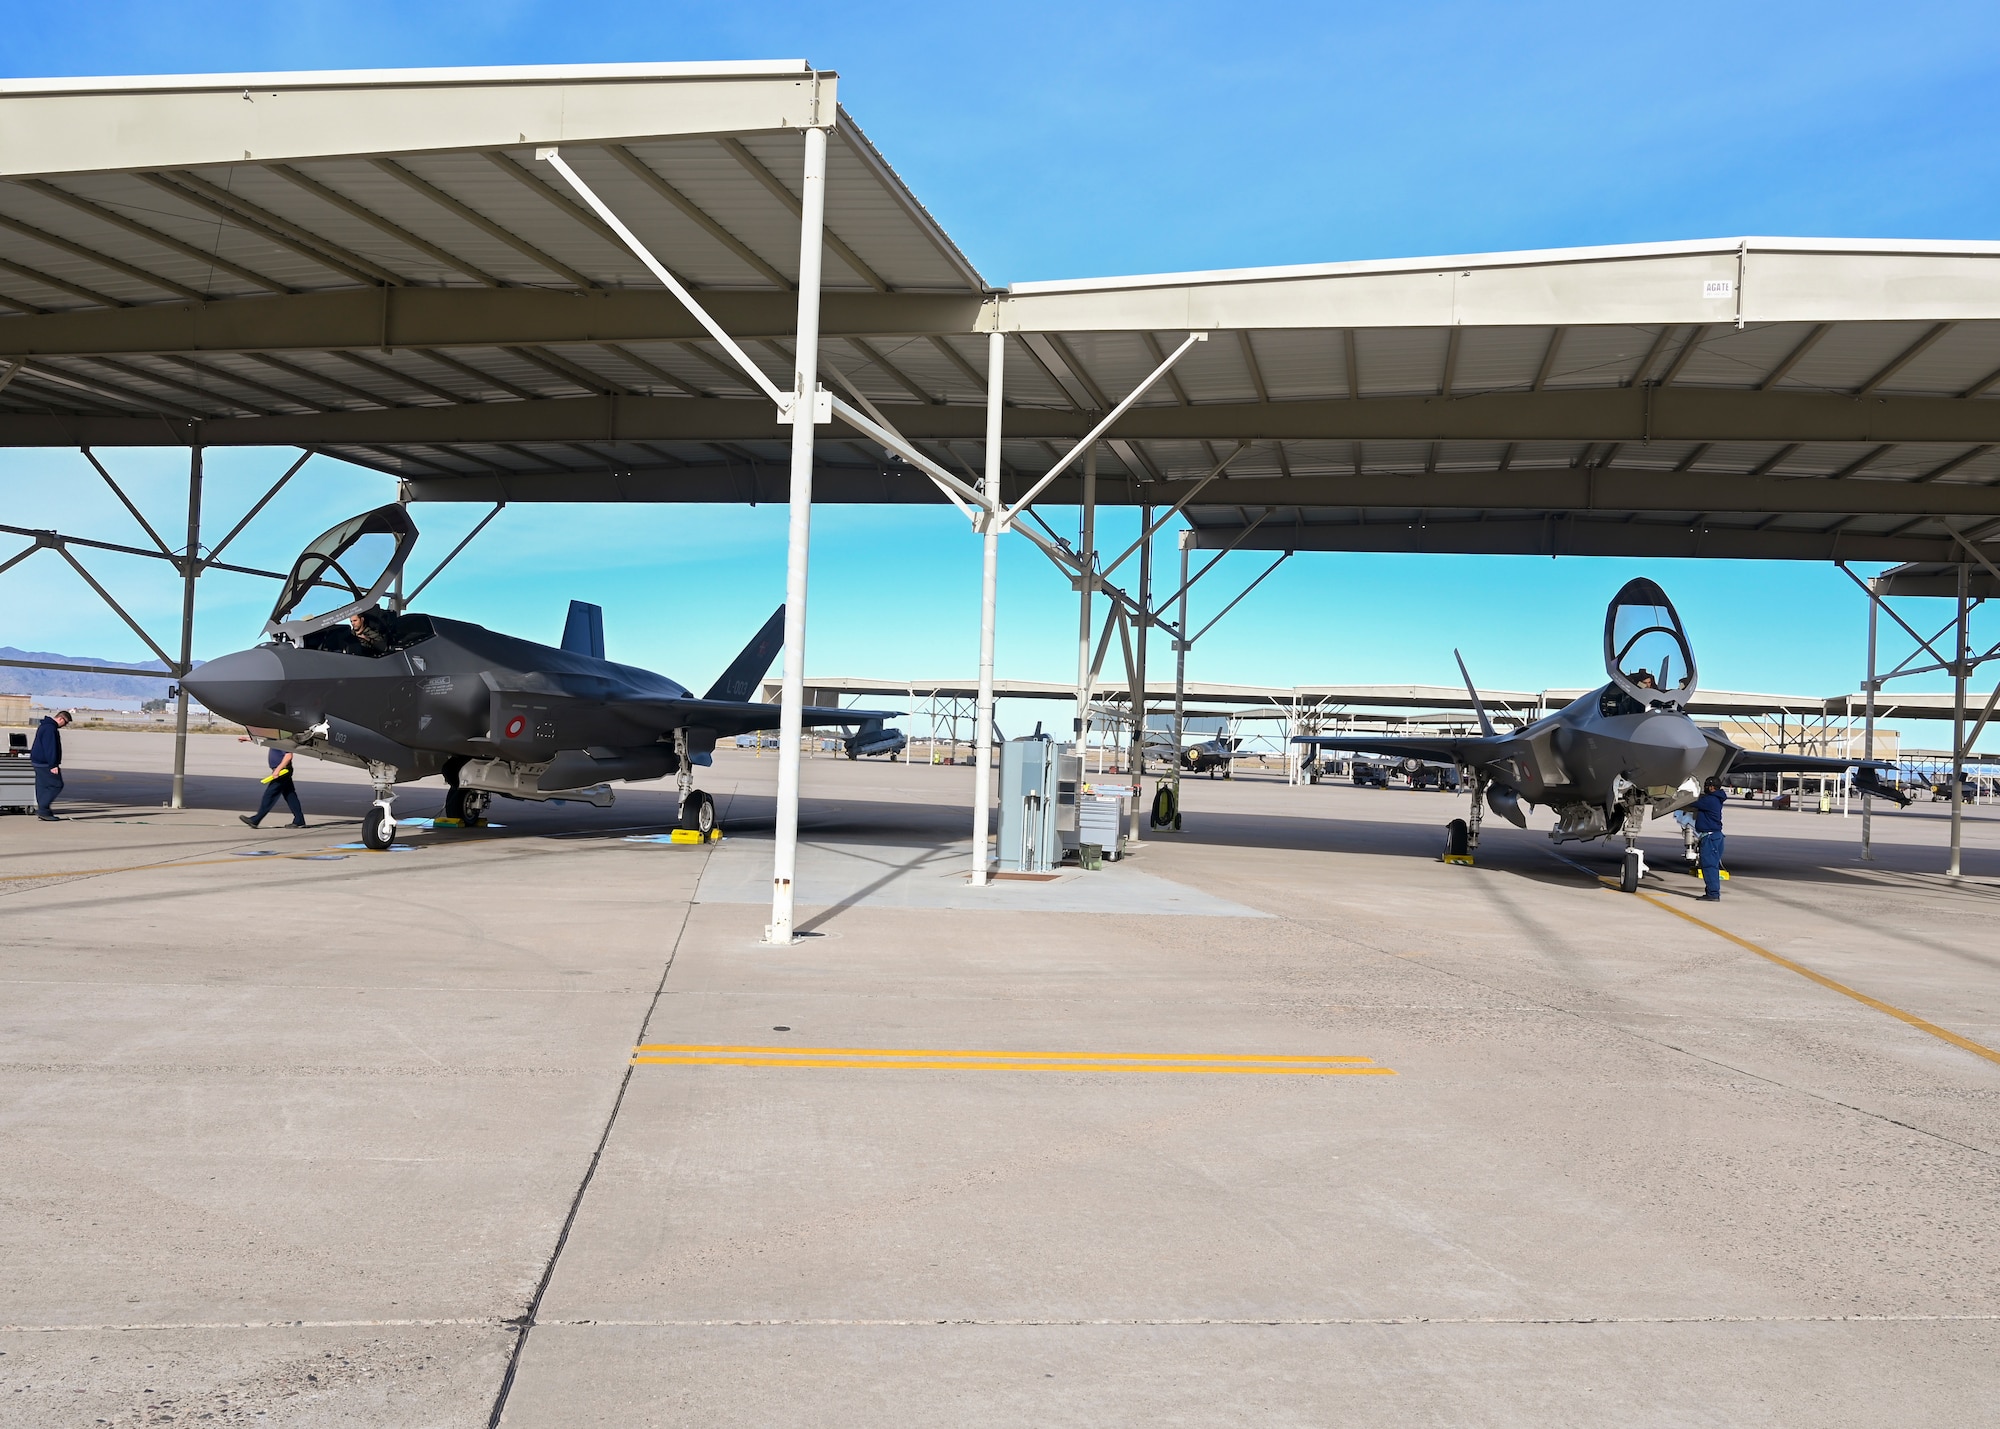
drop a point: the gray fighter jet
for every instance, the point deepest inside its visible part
(406, 696)
(1614, 757)
(1212, 755)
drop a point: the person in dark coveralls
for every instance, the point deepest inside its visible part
(1708, 833)
(278, 785)
(46, 755)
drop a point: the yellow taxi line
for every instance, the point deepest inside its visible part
(990, 1053)
(1197, 1069)
(1943, 1034)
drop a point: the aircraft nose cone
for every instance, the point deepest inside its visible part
(240, 687)
(1664, 750)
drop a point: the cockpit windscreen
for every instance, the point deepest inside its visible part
(1646, 652)
(343, 571)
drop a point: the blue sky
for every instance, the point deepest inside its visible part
(1070, 140)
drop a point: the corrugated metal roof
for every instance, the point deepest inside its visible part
(449, 312)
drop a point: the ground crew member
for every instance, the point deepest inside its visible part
(1708, 829)
(278, 785)
(46, 755)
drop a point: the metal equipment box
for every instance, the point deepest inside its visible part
(1038, 783)
(1099, 820)
(17, 783)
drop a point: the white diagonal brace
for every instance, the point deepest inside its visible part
(903, 447)
(659, 270)
(1008, 517)
(896, 442)
(1192, 492)
(1239, 599)
(1241, 537)
(1972, 550)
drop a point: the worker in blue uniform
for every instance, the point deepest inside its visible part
(1708, 833)
(278, 785)
(46, 755)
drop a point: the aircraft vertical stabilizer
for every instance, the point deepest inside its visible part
(740, 680)
(1485, 723)
(583, 632)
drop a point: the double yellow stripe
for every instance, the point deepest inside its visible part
(1251, 1064)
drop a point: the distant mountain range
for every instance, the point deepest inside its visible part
(68, 685)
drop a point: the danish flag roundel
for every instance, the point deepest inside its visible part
(515, 726)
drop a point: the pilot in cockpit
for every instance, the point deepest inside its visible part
(1617, 702)
(371, 629)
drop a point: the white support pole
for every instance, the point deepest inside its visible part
(1868, 735)
(190, 573)
(1086, 559)
(812, 218)
(1180, 673)
(1958, 724)
(1136, 759)
(982, 723)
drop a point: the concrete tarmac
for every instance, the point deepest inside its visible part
(296, 1134)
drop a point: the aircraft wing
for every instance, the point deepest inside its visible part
(1476, 750)
(728, 717)
(1867, 778)
(1751, 761)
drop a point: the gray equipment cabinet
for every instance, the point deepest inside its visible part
(1038, 784)
(1100, 820)
(17, 781)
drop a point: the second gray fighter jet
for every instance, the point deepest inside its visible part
(1611, 759)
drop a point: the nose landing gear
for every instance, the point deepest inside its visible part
(378, 825)
(1634, 867)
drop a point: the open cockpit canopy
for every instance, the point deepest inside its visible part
(1646, 652)
(343, 572)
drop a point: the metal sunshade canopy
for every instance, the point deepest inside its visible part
(1752, 397)
(373, 265)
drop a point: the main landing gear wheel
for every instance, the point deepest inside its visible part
(1634, 869)
(378, 827)
(454, 803)
(1457, 839)
(698, 813)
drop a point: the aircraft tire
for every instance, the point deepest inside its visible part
(454, 803)
(1628, 876)
(698, 813)
(1457, 838)
(378, 828)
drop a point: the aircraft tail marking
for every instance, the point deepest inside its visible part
(739, 681)
(583, 632)
(1485, 722)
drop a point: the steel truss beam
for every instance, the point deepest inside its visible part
(1532, 491)
(373, 318)
(1620, 414)
(1557, 534)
